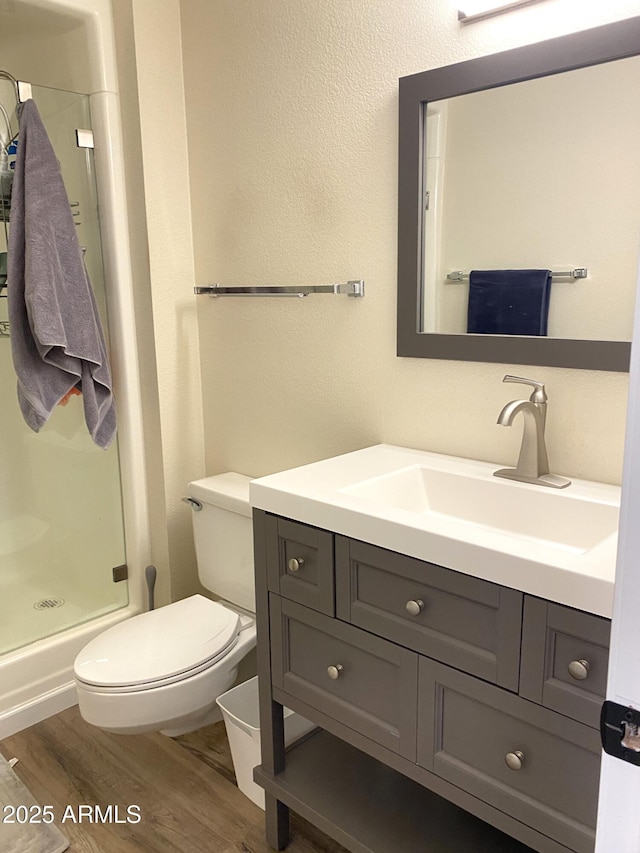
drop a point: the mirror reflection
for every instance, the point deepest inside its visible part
(543, 175)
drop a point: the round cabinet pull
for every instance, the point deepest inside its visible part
(579, 669)
(295, 565)
(514, 760)
(334, 671)
(414, 607)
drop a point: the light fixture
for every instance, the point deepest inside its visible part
(474, 10)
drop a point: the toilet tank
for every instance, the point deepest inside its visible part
(223, 537)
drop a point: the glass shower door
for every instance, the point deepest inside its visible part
(61, 524)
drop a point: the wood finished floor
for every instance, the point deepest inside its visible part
(185, 788)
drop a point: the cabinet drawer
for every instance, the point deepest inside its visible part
(459, 620)
(300, 563)
(467, 728)
(374, 683)
(565, 654)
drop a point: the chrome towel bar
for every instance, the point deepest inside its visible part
(351, 288)
(579, 272)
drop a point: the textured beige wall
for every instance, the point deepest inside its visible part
(292, 129)
(139, 256)
(157, 169)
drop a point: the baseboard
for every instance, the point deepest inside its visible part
(22, 716)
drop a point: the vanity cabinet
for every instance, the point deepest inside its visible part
(454, 714)
(457, 619)
(300, 563)
(370, 686)
(537, 766)
(564, 659)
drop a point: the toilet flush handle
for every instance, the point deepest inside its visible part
(195, 505)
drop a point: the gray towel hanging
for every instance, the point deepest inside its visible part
(56, 335)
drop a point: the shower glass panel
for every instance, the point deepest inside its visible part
(61, 526)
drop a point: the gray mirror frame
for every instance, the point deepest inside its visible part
(618, 40)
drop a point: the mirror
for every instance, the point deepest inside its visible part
(519, 160)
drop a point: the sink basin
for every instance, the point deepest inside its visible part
(558, 544)
(564, 521)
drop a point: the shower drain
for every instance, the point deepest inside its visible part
(48, 603)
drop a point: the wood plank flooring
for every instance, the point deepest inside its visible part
(185, 788)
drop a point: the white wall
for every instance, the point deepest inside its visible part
(292, 130)
(157, 167)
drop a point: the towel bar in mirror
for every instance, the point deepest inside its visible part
(578, 272)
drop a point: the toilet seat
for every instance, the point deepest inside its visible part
(159, 648)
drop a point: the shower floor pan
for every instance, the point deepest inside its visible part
(41, 605)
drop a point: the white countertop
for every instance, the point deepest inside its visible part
(326, 494)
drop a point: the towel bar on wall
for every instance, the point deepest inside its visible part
(578, 272)
(351, 288)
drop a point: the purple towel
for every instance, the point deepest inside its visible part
(56, 337)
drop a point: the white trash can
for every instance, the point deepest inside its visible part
(241, 714)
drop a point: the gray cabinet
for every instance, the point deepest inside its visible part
(540, 767)
(460, 620)
(564, 659)
(361, 680)
(457, 694)
(300, 563)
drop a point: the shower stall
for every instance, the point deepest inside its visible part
(67, 507)
(61, 529)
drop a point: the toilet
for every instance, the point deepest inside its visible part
(162, 670)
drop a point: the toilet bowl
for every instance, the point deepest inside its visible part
(163, 670)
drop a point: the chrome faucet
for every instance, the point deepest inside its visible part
(533, 464)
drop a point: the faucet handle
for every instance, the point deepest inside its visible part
(538, 396)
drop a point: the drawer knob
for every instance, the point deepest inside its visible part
(414, 607)
(514, 760)
(334, 671)
(579, 669)
(295, 564)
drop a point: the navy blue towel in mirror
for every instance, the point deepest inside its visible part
(508, 302)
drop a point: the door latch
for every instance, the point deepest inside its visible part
(620, 731)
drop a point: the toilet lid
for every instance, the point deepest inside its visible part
(159, 646)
